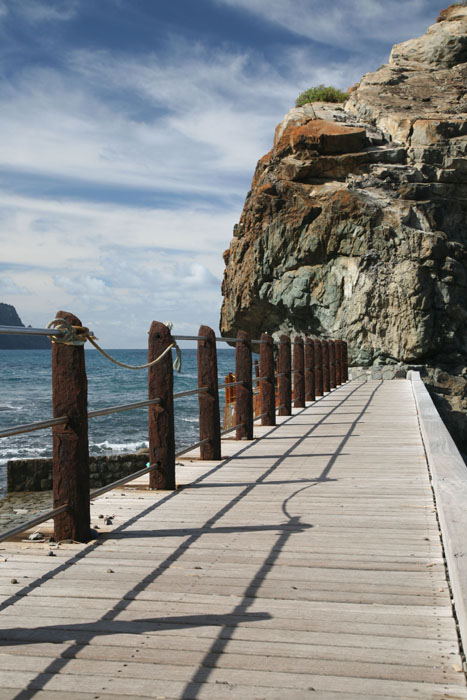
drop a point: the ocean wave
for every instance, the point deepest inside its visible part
(7, 407)
(15, 452)
(120, 446)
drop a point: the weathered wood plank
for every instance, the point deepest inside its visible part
(308, 559)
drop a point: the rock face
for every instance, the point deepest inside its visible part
(9, 317)
(355, 225)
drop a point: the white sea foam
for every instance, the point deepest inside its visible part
(15, 451)
(120, 446)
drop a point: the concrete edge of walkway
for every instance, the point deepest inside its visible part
(449, 476)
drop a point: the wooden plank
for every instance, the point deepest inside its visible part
(308, 559)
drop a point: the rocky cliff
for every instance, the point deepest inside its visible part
(9, 317)
(355, 225)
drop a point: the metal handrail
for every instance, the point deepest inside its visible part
(20, 330)
(123, 407)
(190, 337)
(230, 430)
(190, 392)
(30, 427)
(225, 339)
(122, 481)
(230, 340)
(226, 386)
(191, 447)
(34, 521)
(261, 415)
(40, 425)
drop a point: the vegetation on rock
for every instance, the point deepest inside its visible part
(355, 224)
(321, 93)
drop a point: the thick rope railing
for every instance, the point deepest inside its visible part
(78, 335)
(62, 332)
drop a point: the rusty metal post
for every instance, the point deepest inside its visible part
(266, 372)
(244, 398)
(285, 387)
(332, 364)
(309, 370)
(161, 415)
(208, 401)
(339, 362)
(345, 360)
(318, 367)
(299, 375)
(70, 441)
(325, 365)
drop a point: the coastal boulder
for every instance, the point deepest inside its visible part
(355, 226)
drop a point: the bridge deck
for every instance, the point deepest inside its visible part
(308, 565)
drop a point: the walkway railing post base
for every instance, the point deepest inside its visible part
(209, 418)
(244, 395)
(266, 372)
(298, 377)
(70, 440)
(161, 415)
(285, 386)
(309, 370)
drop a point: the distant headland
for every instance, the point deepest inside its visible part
(9, 317)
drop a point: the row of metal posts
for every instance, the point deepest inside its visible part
(318, 367)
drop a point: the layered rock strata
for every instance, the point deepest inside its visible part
(355, 225)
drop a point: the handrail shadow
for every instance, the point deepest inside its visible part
(226, 623)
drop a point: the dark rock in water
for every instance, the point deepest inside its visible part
(355, 225)
(9, 317)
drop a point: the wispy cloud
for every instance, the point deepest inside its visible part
(345, 23)
(108, 262)
(123, 167)
(38, 11)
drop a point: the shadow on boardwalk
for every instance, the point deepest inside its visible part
(108, 624)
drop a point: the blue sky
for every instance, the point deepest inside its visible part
(130, 130)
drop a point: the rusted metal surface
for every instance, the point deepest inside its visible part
(266, 373)
(339, 375)
(70, 440)
(332, 363)
(325, 365)
(209, 418)
(318, 367)
(345, 360)
(299, 373)
(161, 416)
(309, 359)
(285, 388)
(244, 400)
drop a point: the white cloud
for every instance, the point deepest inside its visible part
(35, 11)
(183, 124)
(8, 286)
(59, 126)
(117, 268)
(345, 23)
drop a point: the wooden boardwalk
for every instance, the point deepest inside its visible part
(307, 565)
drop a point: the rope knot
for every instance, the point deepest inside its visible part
(78, 335)
(71, 335)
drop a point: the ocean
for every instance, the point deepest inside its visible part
(26, 397)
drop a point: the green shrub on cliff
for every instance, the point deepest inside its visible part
(321, 93)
